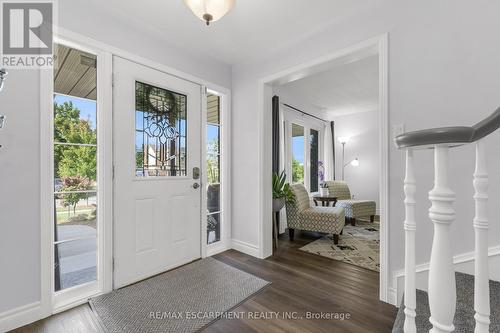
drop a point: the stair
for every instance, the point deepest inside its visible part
(464, 315)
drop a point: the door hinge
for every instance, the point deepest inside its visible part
(113, 79)
(113, 264)
(113, 172)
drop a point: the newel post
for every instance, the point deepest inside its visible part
(410, 228)
(481, 280)
(442, 286)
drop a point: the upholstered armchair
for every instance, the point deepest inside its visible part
(300, 215)
(353, 208)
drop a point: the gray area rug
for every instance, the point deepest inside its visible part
(464, 315)
(182, 300)
(358, 245)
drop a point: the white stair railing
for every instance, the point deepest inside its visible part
(442, 285)
(481, 280)
(410, 228)
(442, 290)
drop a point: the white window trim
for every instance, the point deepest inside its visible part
(290, 117)
(52, 301)
(225, 166)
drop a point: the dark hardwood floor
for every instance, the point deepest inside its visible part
(301, 283)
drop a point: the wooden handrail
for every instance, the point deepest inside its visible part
(449, 136)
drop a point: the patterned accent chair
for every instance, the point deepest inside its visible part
(353, 208)
(300, 215)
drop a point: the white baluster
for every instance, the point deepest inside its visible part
(410, 227)
(442, 289)
(481, 280)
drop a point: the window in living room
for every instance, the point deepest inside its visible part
(213, 149)
(313, 160)
(297, 153)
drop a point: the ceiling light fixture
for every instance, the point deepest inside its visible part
(210, 10)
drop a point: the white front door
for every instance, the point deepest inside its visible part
(157, 152)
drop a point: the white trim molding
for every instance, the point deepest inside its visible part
(20, 316)
(246, 248)
(462, 263)
(51, 301)
(225, 149)
(377, 45)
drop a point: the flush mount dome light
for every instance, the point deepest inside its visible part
(210, 10)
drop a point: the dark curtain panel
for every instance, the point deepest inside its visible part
(276, 134)
(332, 126)
(276, 146)
(314, 158)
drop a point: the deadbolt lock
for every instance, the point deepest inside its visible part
(196, 173)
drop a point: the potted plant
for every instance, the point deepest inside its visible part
(323, 190)
(282, 192)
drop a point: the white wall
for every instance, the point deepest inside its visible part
(20, 154)
(20, 190)
(443, 70)
(363, 130)
(298, 102)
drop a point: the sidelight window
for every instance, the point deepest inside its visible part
(75, 167)
(213, 160)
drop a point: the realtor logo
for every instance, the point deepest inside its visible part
(27, 32)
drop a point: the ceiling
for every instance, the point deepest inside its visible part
(345, 89)
(247, 33)
(75, 73)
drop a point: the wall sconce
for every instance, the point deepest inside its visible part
(3, 76)
(2, 122)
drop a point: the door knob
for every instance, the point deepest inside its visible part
(196, 185)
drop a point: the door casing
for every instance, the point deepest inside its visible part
(105, 52)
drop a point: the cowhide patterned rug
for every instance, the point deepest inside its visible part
(358, 245)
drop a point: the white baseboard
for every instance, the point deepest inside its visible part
(462, 262)
(392, 296)
(246, 248)
(217, 248)
(20, 316)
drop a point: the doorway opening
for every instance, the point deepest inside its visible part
(332, 118)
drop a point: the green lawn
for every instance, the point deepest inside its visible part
(64, 214)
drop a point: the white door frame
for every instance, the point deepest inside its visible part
(378, 44)
(105, 52)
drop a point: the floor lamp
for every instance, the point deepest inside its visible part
(355, 162)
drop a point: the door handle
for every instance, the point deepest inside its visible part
(196, 185)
